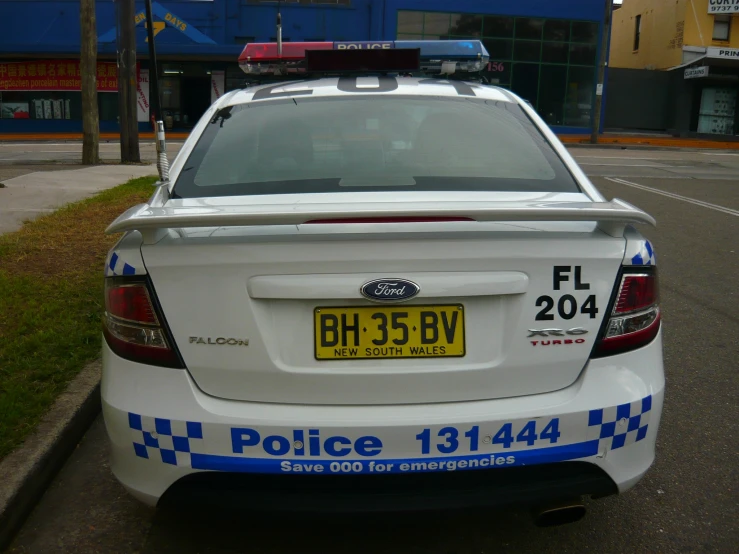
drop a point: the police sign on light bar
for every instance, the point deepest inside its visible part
(436, 56)
(371, 45)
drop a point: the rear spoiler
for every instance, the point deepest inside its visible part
(611, 216)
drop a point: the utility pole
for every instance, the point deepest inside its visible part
(601, 72)
(279, 29)
(127, 82)
(88, 77)
(155, 101)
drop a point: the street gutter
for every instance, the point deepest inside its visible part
(27, 471)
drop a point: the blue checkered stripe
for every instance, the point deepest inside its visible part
(116, 266)
(621, 425)
(166, 439)
(645, 256)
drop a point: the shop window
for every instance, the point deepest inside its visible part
(555, 52)
(497, 26)
(529, 28)
(579, 100)
(637, 32)
(435, 25)
(466, 25)
(107, 106)
(582, 54)
(235, 78)
(51, 105)
(525, 81)
(410, 23)
(721, 27)
(170, 88)
(551, 63)
(527, 50)
(499, 73)
(717, 109)
(499, 49)
(552, 92)
(15, 105)
(557, 30)
(585, 31)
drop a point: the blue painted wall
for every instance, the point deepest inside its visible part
(43, 27)
(50, 28)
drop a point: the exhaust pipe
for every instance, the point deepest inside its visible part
(559, 513)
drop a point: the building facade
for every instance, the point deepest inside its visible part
(697, 41)
(545, 50)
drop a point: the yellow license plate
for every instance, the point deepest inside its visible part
(381, 332)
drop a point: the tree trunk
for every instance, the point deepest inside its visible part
(88, 75)
(127, 82)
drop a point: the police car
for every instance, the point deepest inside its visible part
(375, 281)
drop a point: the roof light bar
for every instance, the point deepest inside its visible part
(436, 56)
(400, 60)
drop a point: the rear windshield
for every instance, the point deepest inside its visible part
(371, 143)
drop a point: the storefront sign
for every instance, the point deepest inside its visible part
(723, 6)
(724, 53)
(167, 16)
(696, 72)
(142, 96)
(54, 75)
(217, 85)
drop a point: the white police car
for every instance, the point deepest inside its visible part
(380, 289)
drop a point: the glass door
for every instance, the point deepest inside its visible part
(716, 115)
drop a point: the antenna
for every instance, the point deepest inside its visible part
(156, 102)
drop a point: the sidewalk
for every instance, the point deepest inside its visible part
(633, 140)
(660, 141)
(11, 137)
(28, 196)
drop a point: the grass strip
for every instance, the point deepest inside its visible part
(51, 302)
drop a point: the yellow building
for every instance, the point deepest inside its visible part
(696, 39)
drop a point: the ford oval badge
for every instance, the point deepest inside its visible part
(390, 290)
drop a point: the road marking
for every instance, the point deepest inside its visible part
(719, 154)
(661, 166)
(618, 158)
(676, 196)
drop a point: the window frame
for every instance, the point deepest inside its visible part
(719, 18)
(637, 32)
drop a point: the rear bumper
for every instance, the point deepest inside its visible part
(164, 430)
(524, 486)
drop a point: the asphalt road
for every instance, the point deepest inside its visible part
(688, 502)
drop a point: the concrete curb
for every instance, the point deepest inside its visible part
(26, 472)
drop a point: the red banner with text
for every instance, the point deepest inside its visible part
(54, 75)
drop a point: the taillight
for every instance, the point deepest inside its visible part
(133, 327)
(635, 317)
